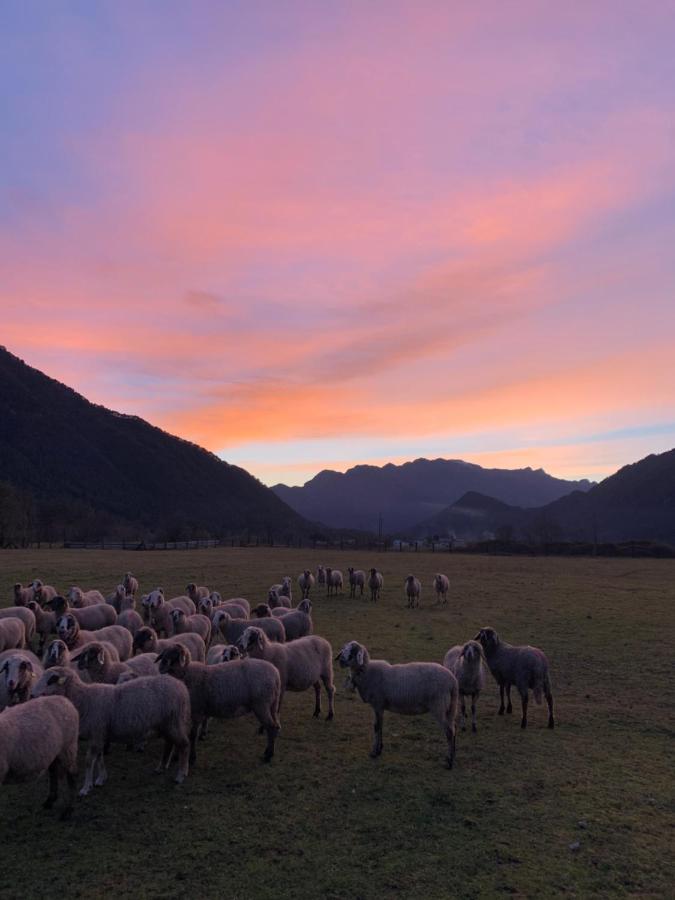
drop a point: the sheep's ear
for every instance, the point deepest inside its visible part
(100, 657)
(5, 668)
(359, 656)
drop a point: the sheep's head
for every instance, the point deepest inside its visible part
(55, 654)
(18, 673)
(155, 598)
(36, 584)
(307, 574)
(18, 589)
(410, 580)
(58, 604)
(253, 638)
(145, 640)
(68, 629)
(92, 657)
(74, 596)
(174, 660)
(353, 655)
(205, 606)
(191, 590)
(229, 652)
(262, 611)
(178, 619)
(488, 639)
(273, 598)
(351, 570)
(373, 573)
(221, 620)
(305, 606)
(53, 681)
(215, 598)
(472, 653)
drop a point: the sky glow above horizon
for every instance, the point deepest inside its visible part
(310, 235)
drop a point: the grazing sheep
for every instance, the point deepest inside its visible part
(409, 688)
(38, 737)
(146, 641)
(232, 629)
(302, 664)
(467, 664)
(297, 622)
(45, 623)
(68, 629)
(12, 633)
(20, 668)
(95, 660)
(198, 624)
(441, 586)
(111, 713)
(42, 593)
(221, 653)
(196, 592)
(79, 598)
(305, 583)
(526, 667)
(375, 583)
(22, 595)
(26, 615)
(334, 580)
(357, 579)
(275, 599)
(91, 618)
(130, 620)
(130, 584)
(227, 690)
(413, 591)
(321, 575)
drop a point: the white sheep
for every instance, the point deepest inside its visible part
(26, 615)
(413, 591)
(90, 618)
(297, 622)
(80, 599)
(37, 737)
(334, 580)
(12, 634)
(231, 629)
(467, 664)
(18, 670)
(357, 579)
(126, 713)
(146, 641)
(97, 663)
(69, 631)
(198, 624)
(275, 599)
(130, 620)
(161, 609)
(130, 584)
(408, 688)
(22, 595)
(375, 583)
(321, 575)
(305, 583)
(221, 653)
(441, 586)
(195, 592)
(42, 593)
(45, 623)
(302, 664)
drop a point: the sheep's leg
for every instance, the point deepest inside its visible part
(263, 721)
(194, 731)
(474, 698)
(549, 701)
(317, 699)
(524, 701)
(165, 758)
(377, 743)
(92, 755)
(330, 690)
(183, 747)
(451, 737)
(463, 712)
(70, 802)
(102, 772)
(509, 705)
(501, 699)
(53, 785)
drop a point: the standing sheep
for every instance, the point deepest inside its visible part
(68, 629)
(91, 618)
(467, 664)
(130, 620)
(130, 583)
(26, 615)
(198, 624)
(45, 623)
(409, 688)
(526, 667)
(112, 713)
(441, 586)
(321, 575)
(79, 598)
(231, 629)
(18, 670)
(37, 737)
(146, 641)
(297, 622)
(42, 593)
(305, 583)
(302, 664)
(95, 660)
(221, 653)
(22, 595)
(334, 580)
(375, 583)
(12, 634)
(413, 591)
(357, 579)
(195, 592)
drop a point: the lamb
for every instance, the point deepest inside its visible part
(68, 629)
(297, 622)
(275, 599)
(334, 580)
(37, 737)
(227, 690)
(146, 641)
(232, 629)
(196, 592)
(357, 578)
(526, 667)
(198, 624)
(26, 615)
(302, 664)
(413, 591)
(130, 584)
(91, 618)
(321, 575)
(375, 583)
(467, 664)
(42, 593)
(305, 583)
(22, 595)
(111, 713)
(441, 586)
(130, 620)
(221, 653)
(409, 688)
(79, 598)
(45, 623)
(20, 668)
(12, 634)
(97, 662)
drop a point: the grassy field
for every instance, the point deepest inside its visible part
(324, 820)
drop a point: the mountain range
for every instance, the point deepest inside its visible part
(413, 492)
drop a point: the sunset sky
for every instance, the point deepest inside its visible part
(309, 235)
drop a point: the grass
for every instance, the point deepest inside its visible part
(324, 820)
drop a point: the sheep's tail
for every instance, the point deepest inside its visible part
(453, 706)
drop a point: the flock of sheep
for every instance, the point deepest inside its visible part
(117, 669)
